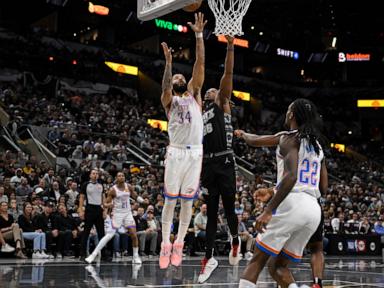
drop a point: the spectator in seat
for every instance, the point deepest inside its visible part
(152, 232)
(23, 190)
(72, 195)
(67, 230)
(238, 209)
(3, 197)
(27, 169)
(46, 223)
(364, 226)
(338, 224)
(379, 227)
(16, 180)
(14, 209)
(33, 178)
(200, 223)
(55, 192)
(49, 177)
(31, 233)
(246, 237)
(11, 230)
(141, 228)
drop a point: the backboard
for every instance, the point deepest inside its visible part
(151, 9)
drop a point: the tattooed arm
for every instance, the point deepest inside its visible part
(166, 95)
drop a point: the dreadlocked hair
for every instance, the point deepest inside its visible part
(309, 122)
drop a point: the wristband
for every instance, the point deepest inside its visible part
(231, 49)
(199, 34)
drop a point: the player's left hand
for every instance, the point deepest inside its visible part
(230, 39)
(263, 220)
(199, 23)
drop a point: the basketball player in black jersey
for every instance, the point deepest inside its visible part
(218, 174)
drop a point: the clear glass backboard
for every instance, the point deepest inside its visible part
(151, 9)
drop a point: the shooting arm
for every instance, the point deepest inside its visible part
(166, 95)
(226, 83)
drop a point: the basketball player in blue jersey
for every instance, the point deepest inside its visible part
(183, 106)
(293, 214)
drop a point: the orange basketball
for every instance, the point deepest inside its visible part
(193, 7)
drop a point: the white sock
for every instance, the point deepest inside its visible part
(293, 285)
(135, 251)
(104, 241)
(246, 284)
(185, 219)
(167, 218)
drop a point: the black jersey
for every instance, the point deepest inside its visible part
(218, 130)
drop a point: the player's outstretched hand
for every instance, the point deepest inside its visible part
(167, 52)
(239, 133)
(199, 23)
(262, 221)
(230, 39)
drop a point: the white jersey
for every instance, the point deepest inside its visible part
(308, 171)
(121, 203)
(185, 125)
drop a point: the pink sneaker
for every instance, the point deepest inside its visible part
(165, 254)
(177, 254)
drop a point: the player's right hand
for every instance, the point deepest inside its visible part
(239, 133)
(167, 52)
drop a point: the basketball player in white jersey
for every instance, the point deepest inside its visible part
(183, 106)
(119, 198)
(293, 214)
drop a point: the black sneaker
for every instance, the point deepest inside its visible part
(142, 254)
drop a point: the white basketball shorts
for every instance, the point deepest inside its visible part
(291, 227)
(125, 219)
(182, 171)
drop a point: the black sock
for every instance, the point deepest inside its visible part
(318, 281)
(235, 240)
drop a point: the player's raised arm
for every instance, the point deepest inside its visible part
(198, 73)
(226, 82)
(259, 140)
(166, 95)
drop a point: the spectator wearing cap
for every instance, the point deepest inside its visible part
(16, 180)
(10, 230)
(46, 223)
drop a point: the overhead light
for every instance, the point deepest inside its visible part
(334, 39)
(74, 62)
(350, 132)
(88, 28)
(261, 33)
(253, 27)
(50, 58)
(302, 72)
(74, 34)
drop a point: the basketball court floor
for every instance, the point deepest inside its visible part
(340, 272)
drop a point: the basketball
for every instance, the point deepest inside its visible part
(193, 7)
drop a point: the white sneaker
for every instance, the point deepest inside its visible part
(6, 248)
(59, 256)
(47, 256)
(207, 267)
(234, 254)
(37, 255)
(118, 255)
(248, 256)
(304, 286)
(90, 258)
(136, 259)
(91, 270)
(135, 270)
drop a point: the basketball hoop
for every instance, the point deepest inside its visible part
(229, 16)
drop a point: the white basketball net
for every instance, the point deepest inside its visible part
(229, 16)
